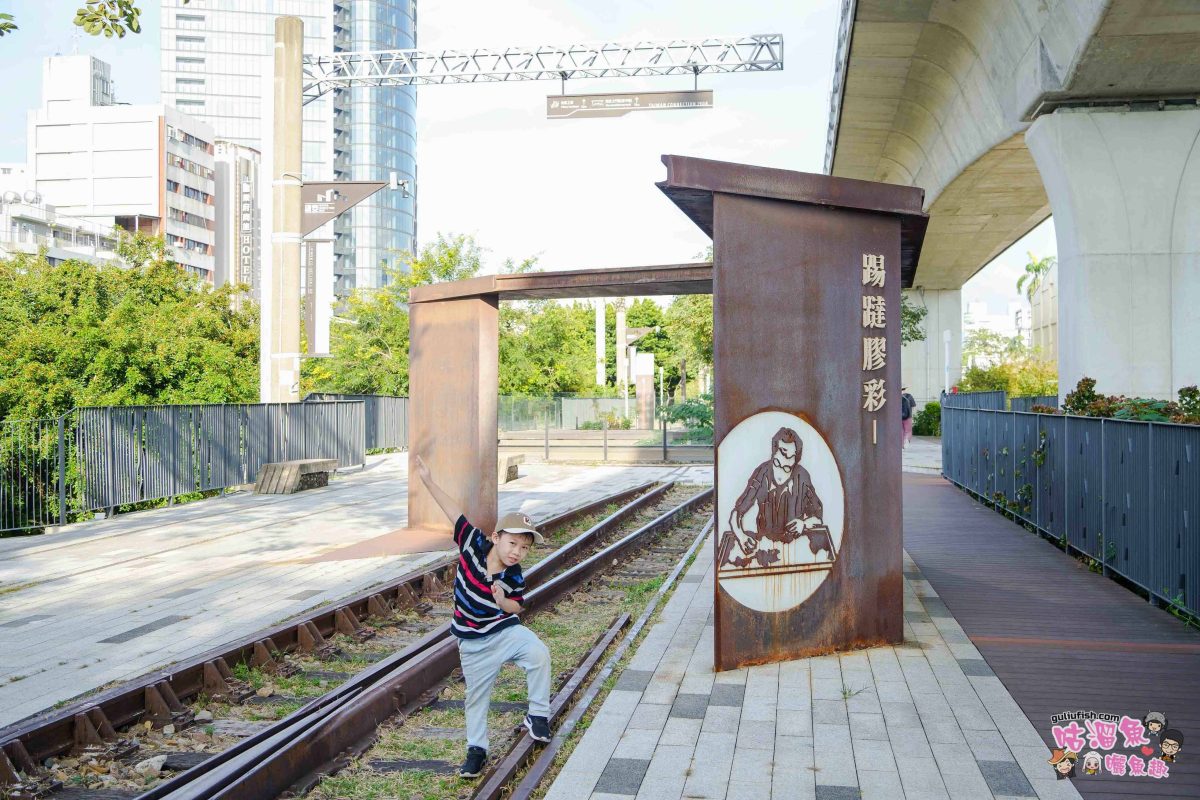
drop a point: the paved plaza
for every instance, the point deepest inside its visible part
(921, 720)
(109, 600)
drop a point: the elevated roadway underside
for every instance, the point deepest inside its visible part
(938, 94)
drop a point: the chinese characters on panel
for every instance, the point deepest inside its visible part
(874, 343)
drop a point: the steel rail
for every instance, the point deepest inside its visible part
(499, 776)
(309, 748)
(256, 745)
(53, 733)
(545, 759)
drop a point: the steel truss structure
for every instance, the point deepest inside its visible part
(757, 53)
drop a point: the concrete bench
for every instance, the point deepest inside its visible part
(289, 477)
(506, 466)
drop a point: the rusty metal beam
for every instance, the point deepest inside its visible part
(665, 279)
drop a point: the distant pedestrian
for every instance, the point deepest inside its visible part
(489, 593)
(907, 405)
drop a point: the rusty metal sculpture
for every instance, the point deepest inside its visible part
(807, 271)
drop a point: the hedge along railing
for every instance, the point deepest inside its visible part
(55, 471)
(386, 418)
(1125, 494)
(1027, 403)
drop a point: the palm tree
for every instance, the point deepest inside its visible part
(1035, 271)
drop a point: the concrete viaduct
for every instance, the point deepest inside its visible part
(1005, 111)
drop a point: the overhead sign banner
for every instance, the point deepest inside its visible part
(325, 200)
(583, 106)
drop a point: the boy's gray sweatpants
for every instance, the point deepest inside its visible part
(481, 662)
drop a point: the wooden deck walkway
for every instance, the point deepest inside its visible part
(1060, 637)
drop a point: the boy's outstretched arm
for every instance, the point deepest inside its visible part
(449, 507)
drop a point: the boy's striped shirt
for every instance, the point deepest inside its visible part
(475, 611)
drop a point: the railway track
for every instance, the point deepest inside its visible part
(275, 712)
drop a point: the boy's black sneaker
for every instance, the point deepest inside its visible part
(473, 766)
(538, 728)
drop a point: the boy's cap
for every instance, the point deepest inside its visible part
(518, 523)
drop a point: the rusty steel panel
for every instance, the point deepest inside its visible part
(821, 570)
(453, 368)
(693, 183)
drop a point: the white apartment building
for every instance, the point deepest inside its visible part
(214, 56)
(239, 218)
(147, 168)
(30, 227)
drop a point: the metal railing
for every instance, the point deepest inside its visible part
(55, 471)
(1125, 494)
(386, 418)
(516, 413)
(1027, 403)
(992, 400)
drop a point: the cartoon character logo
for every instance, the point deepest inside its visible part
(1063, 762)
(1155, 722)
(1091, 763)
(1170, 743)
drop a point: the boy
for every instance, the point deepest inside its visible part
(488, 596)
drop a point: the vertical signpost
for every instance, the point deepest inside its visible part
(807, 271)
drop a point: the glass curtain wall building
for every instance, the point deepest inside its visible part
(214, 53)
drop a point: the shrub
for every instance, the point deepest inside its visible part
(928, 421)
(1085, 401)
(696, 415)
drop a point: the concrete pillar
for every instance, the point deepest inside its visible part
(601, 366)
(283, 349)
(453, 371)
(1124, 187)
(622, 346)
(922, 364)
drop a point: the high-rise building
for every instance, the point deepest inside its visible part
(239, 218)
(214, 56)
(147, 168)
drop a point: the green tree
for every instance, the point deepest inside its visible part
(912, 320)
(108, 17)
(80, 334)
(369, 341)
(546, 348)
(689, 324)
(1036, 270)
(983, 346)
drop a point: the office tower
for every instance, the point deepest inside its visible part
(147, 168)
(214, 54)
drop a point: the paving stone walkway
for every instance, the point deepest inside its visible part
(926, 719)
(112, 599)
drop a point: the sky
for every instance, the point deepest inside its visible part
(572, 193)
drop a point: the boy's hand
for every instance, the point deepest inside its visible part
(423, 470)
(498, 592)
